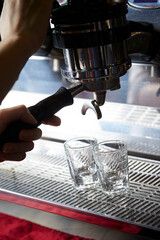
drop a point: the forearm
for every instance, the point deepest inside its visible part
(13, 56)
(23, 27)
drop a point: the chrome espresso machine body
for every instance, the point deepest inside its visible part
(100, 40)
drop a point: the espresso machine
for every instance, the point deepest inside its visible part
(101, 39)
(109, 48)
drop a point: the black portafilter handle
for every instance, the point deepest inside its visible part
(42, 111)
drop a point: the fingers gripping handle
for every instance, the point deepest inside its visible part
(42, 111)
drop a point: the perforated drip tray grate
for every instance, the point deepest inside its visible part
(44, 175)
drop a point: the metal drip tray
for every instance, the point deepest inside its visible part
(44, 175)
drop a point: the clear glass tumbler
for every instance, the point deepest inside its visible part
(79, 152)
(111, 158)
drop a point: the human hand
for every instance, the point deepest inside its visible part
(16, 151)
(26, 21)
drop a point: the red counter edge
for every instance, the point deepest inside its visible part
(69, 212)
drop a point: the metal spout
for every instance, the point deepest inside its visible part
(93, 106)
(100, 97)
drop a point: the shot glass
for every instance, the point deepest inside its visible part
(79, 152)
(112, 164)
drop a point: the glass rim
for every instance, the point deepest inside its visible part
(111, 141)
(66, 143)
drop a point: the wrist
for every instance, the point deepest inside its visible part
(18, 46)
(27, 45)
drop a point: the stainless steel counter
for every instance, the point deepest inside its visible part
(44, 175)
